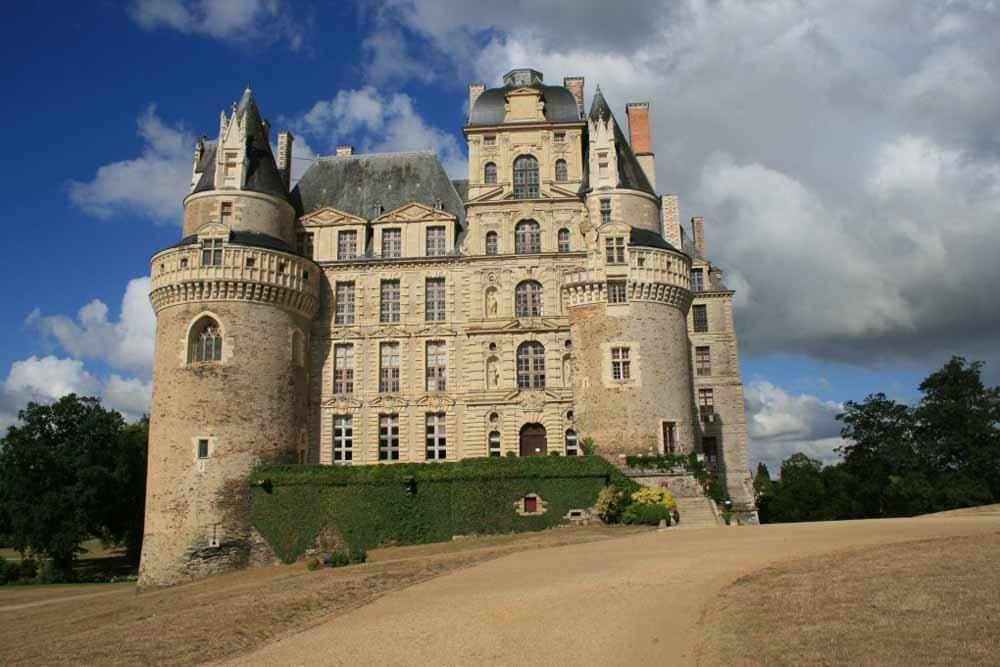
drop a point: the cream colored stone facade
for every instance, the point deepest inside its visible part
(518, 312)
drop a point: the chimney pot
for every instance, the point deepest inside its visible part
(285, 140)
(575, 85)
(345, 150)
(638, 137)
(698, 233)
(475, 90)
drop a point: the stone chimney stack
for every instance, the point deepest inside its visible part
(698, 233)
(345, 150)
(638, 137)
(670, 210)
(285, 140)
(475, 90)
(575, 86)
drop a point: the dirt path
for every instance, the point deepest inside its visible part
(637, 601)
(68, 597)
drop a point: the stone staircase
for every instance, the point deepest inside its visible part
(697, 512)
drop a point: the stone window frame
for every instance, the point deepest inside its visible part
(529, 299)
(347, 244)
(392, 242)
(526, 181)
(668, 445)
(388, 436)
(436, 436)
(493, 444)
(345, 305)
(436, 365)
(343, 439)
(212, 250)
(699, 318)
(697, 279)
(614, 250)
(343, 374)
(436, 241)
(210, 447)
(563, 237)
(635, 364)
(562, 171)
(605, 209)
(436, 299)
(195, 328)
(390, 301)
(617, 292)
(530, 365)
(706, 402)
(527, 237)
(490, 173)
(389, 382)
(492, 245)
(621, 364)
(703, 360)
(489, 140)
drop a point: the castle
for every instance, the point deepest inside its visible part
(379, 312)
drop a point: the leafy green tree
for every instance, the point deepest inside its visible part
(800, 494)
(67, 472)
(762, 480)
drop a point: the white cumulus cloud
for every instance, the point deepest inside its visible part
(236, 21)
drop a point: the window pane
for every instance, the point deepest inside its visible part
(491, 243)
(347, 244)
(527, 237)
(490, 174)
(531, 365)
(344, 304)
(435, 300)
(389, 304)
(436, 241)
(389, 368)
(700, 316)
(392, 243)
(526, 177)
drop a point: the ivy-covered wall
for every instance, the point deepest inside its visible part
(370, 506)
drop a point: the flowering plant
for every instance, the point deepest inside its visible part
(648, 496)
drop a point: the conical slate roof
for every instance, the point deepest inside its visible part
(630, 173)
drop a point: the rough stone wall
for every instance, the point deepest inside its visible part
(251, 212)
(252, 409)
(630, 207)
(626, 417)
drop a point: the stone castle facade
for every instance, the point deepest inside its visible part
(379, 312)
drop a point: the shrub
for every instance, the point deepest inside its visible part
(647, 514)
(28, 569)
(7, 569)
(588, 446)
(648, 496)
(337, 559)
(511, 455)
(313, 564)
(357, 555)
(611, 501)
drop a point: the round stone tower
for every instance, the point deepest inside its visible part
(233, 305)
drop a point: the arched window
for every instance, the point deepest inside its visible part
(526, 177)
(531, 365)
(490, 173)
(562, 173)
(528, 299)
(205, 342)
(492, 245)
(563, 240)
(494, 442)
(571, 446)
(527, 237)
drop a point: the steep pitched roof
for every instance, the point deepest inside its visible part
(262, 170)
(355, 183)
(648, 239)
(630, 173)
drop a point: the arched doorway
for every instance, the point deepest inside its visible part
(533, 441)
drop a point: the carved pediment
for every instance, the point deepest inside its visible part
(490, 194)
(343, 403)
(389, 402)
(435, 401)
(329, 217)
(434, 331)
(340, 332)
(386, 332)
(213, 229)
(414, 212)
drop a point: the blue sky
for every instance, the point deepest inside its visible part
(846, 159)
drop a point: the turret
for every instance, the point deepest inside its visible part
(234, 305)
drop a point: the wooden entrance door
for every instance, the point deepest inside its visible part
(533, 441)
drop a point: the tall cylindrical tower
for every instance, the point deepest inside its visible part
(233, 306)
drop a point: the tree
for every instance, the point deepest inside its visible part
(762, 480)
(800, 494)
(68, 472)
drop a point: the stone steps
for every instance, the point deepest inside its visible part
(696, 513)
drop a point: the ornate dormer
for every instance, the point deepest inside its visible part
(603, 149)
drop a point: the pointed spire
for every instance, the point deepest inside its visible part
(599, 108)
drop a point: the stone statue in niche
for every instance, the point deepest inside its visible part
(492, 373)
(567, 371)
(491, 303)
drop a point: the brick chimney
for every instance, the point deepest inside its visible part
(475, 90)
(345, 150)
(670, 210)
(638, 137)
(698, 233)
(575, 86)
(285, 140)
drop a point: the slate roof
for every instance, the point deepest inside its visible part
(239, 237)
(462, 188)
(262, 173)
(648, 239)
(630, 173)
(489, 109)
(354, 183)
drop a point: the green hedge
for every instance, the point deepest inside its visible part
(413, 503)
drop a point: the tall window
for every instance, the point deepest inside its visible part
(490, 173)
(527, 237)
(669, 437)
(226, 213)
(392, 242)
(492, 246)
(434, 300)
(710, 447)
(531, 365)
(437, 369)
(526, 177)
(343, 439)
(436, 245)
(605, 211)
(344, 304)
(562, 173)
(700, 317)
(706, 402)
(388, 437)
(697, 280)
(388, 374)
(617, 292)
(231, 171)
(572, 448)
(203, 448)
(304, 244)
(563, 240)
(437, 442)
(494, 443)
(347, 244)
(343, 369)
(211, 252)
(703, 360)
(528, 299)
(205, 343)
(614, 249)
(389, 301)
(621, 365)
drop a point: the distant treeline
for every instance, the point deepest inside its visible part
(899, 460)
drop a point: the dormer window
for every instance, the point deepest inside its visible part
(559, 137)
(614, 249)
(211, 252)
(377, 209)
(347, 244)
(438, 204)
(490, 140)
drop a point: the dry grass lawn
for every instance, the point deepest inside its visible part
(932, 602)
(229, 614)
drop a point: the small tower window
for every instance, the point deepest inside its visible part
(211, 252)
(562, 172)
(226, 213)
(494, 443)
(621, 366)
(559, 137)
(202, 448)
(205, 344)
(605, 211)
(490, 173)
(617, 292)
